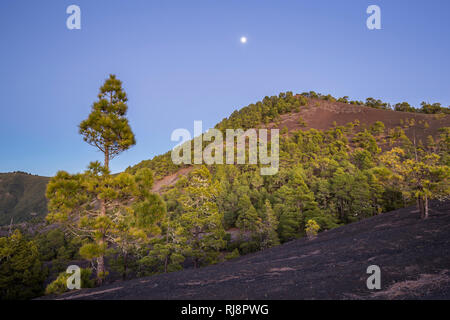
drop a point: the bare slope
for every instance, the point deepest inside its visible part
(321, 115)
(412, 254)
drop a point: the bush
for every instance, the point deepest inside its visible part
(377, 128)
(247, 247)
(301, 122)
(232, 255)
(312, 228)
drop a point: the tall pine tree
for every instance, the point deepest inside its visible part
(96, 205)
(107, 129)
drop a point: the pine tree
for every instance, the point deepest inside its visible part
(201, 221)
(129, 213)
(248, 220)
(97, 205)
(269, 236)
(422, 177)
(295, 205)
(351, 194)
(107, 129)
(21, 272)
(136, 223)
(167, 252)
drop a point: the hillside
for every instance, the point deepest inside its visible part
(22, 197)
(411, 253)
(316, 114)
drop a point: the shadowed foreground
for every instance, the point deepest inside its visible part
(413, 256)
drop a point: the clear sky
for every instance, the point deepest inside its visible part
(182, 61)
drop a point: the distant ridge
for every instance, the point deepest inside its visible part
(22, 197)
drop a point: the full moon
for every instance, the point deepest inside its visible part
(243, 39)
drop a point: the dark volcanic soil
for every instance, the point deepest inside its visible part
(413, 256)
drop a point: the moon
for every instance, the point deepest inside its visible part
(243, 39)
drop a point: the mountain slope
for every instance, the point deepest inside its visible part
(22, 197)
(411, 253)
(316, 114)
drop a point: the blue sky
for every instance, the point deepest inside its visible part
(182, 61)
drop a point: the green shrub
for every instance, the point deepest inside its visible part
(232, 255)
(312, 228)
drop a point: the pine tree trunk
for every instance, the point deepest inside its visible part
(341, 210)
(166, 261)
(426, 207)
(420, 204)
(125, 266)
(101, 258)
(195, 263)
(196, 235)
(100, 269)
(106, 157)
